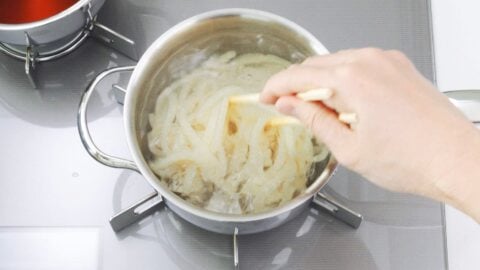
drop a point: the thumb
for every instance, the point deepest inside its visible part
(322, 121)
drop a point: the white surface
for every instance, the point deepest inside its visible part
(49, 248)
(456, 26)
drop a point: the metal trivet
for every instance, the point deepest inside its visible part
(154, 202)
(31, 55)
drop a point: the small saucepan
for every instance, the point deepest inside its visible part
(50, 29)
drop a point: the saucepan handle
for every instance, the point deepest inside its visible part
(87, 141)
(468, 101)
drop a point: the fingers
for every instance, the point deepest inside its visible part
(314, 72)
(325, 71)
(297, 78)
(322, 121)
(338, 58)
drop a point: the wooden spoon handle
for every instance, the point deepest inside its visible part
(310, 95)
(317, 94)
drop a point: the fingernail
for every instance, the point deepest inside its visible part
(285, 107)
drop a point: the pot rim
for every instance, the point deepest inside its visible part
(139, 75)
(64, 13)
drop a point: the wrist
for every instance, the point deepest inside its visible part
(458, 183)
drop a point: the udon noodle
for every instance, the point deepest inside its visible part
(226, 157)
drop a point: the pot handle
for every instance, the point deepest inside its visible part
(467, 101)
(87, 141)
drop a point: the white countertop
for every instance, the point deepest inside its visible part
(456, 26)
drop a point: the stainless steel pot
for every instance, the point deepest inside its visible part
(51, 29)
(182, 48)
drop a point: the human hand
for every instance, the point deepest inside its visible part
(408, 137)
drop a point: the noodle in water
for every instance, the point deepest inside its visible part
(227, 157)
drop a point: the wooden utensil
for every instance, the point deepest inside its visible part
(317, 94)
